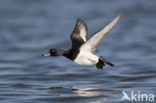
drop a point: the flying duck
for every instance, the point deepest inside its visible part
(83, 50)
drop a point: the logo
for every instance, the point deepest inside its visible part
(136, 96)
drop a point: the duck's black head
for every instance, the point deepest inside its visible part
(54, 52)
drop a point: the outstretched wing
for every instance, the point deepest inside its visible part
(92, 43)
(79, 35)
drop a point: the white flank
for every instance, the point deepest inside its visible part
(86, 58)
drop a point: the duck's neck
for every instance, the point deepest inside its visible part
(70, 54)
(60, 52)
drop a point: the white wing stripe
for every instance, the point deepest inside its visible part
(83, 33)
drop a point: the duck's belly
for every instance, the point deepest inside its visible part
(86, 59)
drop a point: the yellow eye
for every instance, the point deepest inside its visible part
(52, 50)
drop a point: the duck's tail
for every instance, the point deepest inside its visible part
(102, 63)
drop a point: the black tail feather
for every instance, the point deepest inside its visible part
(102, 63)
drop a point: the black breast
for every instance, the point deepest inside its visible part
(72, 53)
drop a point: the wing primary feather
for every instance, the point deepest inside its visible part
(79, 35)
(92, 43)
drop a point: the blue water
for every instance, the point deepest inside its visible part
(29, 28)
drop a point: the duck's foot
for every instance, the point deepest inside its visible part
(102, 63)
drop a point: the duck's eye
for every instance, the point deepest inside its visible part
(52, 50)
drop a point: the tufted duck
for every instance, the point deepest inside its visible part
(83, 51)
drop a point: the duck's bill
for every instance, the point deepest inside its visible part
(48, 54)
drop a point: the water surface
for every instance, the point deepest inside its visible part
(28, 28)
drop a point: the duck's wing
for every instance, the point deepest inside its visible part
(79, 35)
(92, 43)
